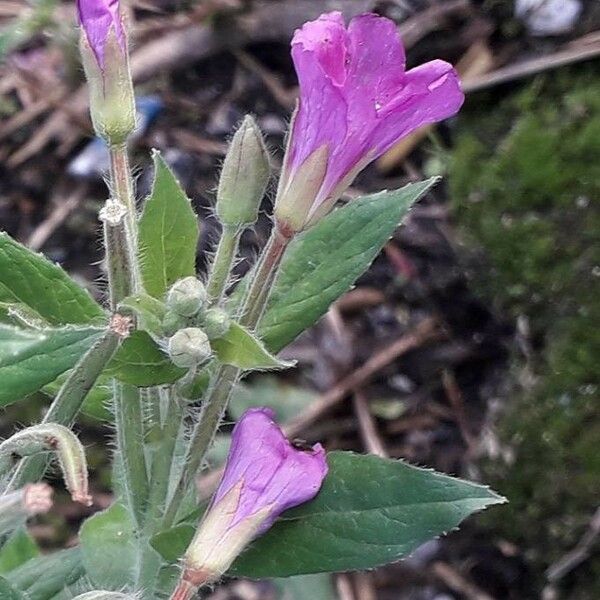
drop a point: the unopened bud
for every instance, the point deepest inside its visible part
(216, 323)
(244, 178)
(106, 64)
(186, 297)
(51, 437)
(189, 347)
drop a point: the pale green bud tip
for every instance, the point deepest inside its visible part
(189, 347)
(244, 178)
(216, 323)
(186, 297)
(112, 101)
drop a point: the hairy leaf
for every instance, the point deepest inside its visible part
(168, 233)
(30, 359)
(30, 279)
(322, 264)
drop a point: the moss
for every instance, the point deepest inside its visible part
(525, 183)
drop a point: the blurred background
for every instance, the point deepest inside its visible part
(501, 262)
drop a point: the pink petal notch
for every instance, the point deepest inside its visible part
(356, 100)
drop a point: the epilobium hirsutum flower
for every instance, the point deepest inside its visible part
(356, 101)
(106, 62)
(264, 476)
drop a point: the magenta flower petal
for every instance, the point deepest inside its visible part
(357, 99)
(273, 473)
(96, 18)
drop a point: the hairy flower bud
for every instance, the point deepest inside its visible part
(51, 437)
(216, 323)
(244, 177)
(103, 45)
(186, 297)
(189, 347)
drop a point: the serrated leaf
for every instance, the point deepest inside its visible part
(32, 280)
(30, 359)
(140, 362)
(238, 347)
(168, 233)
(322, 263)
(370, 511)
(108, 548)
(17, 550)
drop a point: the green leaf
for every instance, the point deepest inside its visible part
(45, 576)
(168, 233)
(322, 263)
(17, 550)
(140, 362)
(238, 347)
(172, 543)
(109, 549)
(371, 511)
(30, 359)
(97, 401)
(32, 280)
(8, 592)
(148, 310)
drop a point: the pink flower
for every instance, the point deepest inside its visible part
(264, 476)
(356, 101)
(97, 17)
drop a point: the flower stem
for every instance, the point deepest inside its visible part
(257, 296)
(227, 376)
(68, 401)
(222, 263)
(130, 441)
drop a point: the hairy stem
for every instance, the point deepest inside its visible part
(222, 263)
(68, 401)
(227, 376)
(130, 442)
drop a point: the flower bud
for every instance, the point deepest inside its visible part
(51, 437)
(103, 46)
(264, 476)
(189, 347)
(244, 177)
(216, 323)
(186, 297)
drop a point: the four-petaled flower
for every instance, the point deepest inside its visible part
(356, 101)
(264, 476)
